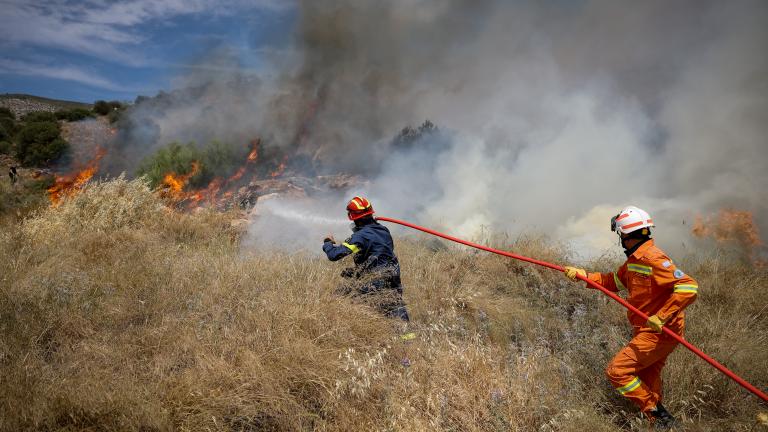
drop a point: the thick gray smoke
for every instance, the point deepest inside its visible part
(551, 117)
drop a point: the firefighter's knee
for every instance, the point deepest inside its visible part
(614, 373)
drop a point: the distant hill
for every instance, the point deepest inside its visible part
(21, 104)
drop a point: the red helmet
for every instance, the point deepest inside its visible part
(359, 207)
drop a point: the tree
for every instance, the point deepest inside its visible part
(40, 143)
(101, 107)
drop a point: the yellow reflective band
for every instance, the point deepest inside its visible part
(635, 383)
(351, 247)
(619, 285)
(637, 268)
(687, 288)
(408, 336)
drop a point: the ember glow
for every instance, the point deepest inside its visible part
(70, 184)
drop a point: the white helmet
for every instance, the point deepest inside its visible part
(630, 220)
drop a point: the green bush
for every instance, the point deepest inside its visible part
(74, 114)
(39, 116)
(102, 107)
(175, 157)
(216, 159)
(7, 113)
(6, 147)
(39, 143)
(114, 116)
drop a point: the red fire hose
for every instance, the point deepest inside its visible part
(620, 300)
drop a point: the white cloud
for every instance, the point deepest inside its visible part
(103, 29)
(67, 73)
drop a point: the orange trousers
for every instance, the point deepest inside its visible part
(635, 371)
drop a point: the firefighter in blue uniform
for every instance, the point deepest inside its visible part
(376, 271)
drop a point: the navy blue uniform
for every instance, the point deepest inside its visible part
(375, 263)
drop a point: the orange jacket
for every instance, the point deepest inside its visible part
(655, 286)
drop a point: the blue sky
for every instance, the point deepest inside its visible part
(100, 49)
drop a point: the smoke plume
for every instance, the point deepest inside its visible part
(551, 117)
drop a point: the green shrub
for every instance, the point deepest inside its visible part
(216, 159)
(6, 147)
(175, 157)
(102, 107)
(74, 114)
(39, 116)
(114, 116)
(7, 113)
(39, 143)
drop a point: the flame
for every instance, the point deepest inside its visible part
(280, 169)
(735, 227)
(70, 184)
(173, 184)
(729, 225)
(254, 154)
(237, 175)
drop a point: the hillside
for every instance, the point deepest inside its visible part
(22, 104)
(120, 314)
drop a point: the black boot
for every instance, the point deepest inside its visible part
(662, 419)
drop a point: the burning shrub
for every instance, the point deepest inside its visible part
(174, 158)
(40, 143)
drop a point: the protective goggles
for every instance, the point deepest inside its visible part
(613, 223)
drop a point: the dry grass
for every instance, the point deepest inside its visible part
(117, 314)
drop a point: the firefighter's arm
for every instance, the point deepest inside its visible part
(611, 281)
(684, 289)
(337, 252)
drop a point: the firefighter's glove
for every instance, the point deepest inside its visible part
(655, 323)
(348, 272)
(329, 239)
(571, 272)
(762, 418)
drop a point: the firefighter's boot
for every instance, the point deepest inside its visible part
(662, 419)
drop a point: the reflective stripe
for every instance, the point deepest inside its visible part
(351, 247)
(635, 383)
(619, 285)
(687, 288)
(637, 268)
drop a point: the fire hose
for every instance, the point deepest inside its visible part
(727, 372)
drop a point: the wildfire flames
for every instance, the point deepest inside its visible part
(730, 226)
(70, 184)
(173, 185)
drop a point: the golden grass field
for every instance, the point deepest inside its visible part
(119, 314)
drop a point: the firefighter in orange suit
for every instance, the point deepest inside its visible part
(660, 290)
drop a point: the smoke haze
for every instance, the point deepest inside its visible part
(552, 117)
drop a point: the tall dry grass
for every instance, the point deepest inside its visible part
(118, 314)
